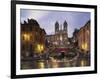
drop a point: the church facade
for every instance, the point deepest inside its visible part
(60, 36)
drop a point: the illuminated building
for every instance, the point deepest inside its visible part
(84, 37)
(60, 37)
(32, 38)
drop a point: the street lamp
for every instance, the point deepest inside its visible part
(84, 46)
(40, 48)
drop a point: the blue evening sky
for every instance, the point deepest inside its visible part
(47, 19)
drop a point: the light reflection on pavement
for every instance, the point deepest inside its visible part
(55, 63)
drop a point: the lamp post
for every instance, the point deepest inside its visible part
(40, 48)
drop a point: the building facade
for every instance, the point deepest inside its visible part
(84, 37)
(32, 38)
(60, 37)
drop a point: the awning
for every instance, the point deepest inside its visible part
(61, 49)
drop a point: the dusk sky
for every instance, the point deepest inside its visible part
(47, 19)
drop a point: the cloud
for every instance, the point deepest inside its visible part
(47, 19)
(35, 14)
